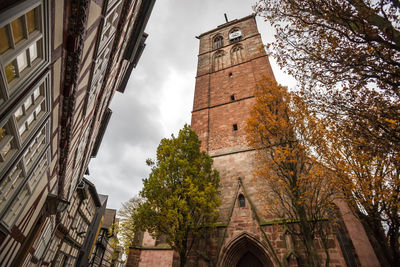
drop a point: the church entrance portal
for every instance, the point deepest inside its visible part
(245, 251)
(249, 260)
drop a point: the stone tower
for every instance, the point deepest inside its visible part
(230, 62)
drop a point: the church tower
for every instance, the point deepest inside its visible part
(230, 62)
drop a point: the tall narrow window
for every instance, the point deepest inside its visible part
(218, 61)
(110, 24)
(6, 143)
(218, 42)
(31, 111)
(237, 54)
(44, 240)
(4, 40)
(11, 214)
(18, 31)
(242, 201)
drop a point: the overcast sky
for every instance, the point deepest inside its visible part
(159, 97)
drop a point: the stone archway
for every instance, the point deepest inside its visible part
(245, 250)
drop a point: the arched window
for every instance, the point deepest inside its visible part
(242, 201)
(218, 63)
(237, 54)
(235, 35)
(218, 42)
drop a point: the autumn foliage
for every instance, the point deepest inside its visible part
(346, 56)
(370, 182)
(280, 128)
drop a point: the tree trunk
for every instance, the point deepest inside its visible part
(312, 255)
(377, 238)
(182, 259)
(308, 239)
(328, 258)
(394, 246)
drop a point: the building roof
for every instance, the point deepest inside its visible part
(93, 192)
(109, 218)
(103, 199)
(227, 24)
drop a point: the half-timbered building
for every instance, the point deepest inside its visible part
(60, 65)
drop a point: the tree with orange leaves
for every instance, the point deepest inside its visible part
(346, 55)
(370, 183)
(280, 128)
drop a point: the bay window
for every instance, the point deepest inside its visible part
(24, 47)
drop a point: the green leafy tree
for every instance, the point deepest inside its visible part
(181, 193)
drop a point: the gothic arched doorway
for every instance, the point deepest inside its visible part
(244, 251)
(249, 259)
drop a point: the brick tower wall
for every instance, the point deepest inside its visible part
(213, 118)
(215, 113)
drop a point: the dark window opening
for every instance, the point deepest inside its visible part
(235, 127)
(218, 42)
(230, 74)
(233, 97)
(242, 201)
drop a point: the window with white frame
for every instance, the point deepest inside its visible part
(18, 127)
(16, 177)
(110, 24)
(98, 73)
(11, 214)
(59, 260)
(10, 185)
(31, 110)
(70, 261)
(7, 142)
(53, 247)
(66, 256)
(78, 162)
(34, 149)
(23, 45)
(44, 240)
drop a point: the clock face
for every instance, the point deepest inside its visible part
(235, 34)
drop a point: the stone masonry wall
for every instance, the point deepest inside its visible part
(223, 99)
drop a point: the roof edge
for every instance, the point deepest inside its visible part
(228, 23)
